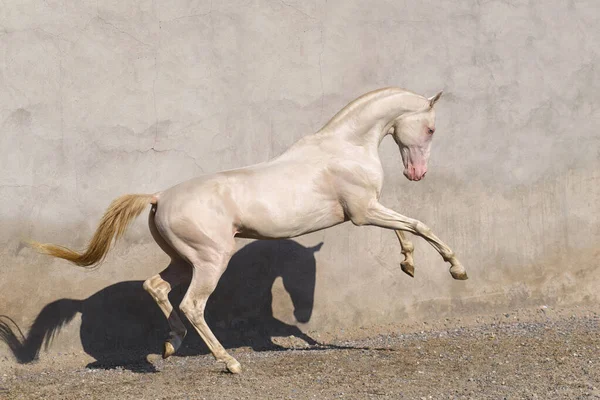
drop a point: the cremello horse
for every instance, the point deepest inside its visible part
(324, 179)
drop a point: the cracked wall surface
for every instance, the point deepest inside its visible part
(102, 98)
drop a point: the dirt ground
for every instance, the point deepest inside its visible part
(541, 353)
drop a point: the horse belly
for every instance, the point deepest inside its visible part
(289, 218)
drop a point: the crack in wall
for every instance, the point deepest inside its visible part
(122, 31)
(152, 149)
(208, 13)
(29, 186)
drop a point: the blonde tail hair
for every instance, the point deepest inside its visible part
(119, 215)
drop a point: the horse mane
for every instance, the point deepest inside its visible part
(362, 100)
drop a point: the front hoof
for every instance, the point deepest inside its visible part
(458, 272)
(408, 268)
(234, 366)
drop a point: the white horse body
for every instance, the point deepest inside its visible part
(299, 192)
(324, 179)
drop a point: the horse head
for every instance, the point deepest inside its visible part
(413, 132)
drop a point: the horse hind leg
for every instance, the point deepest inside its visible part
(208, 249)
(159, 287)
(207, 271)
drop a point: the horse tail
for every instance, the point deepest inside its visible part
(113, 224)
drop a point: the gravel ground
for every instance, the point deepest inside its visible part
(532, 354)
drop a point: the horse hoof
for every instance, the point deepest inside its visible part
(234, 366)
(458, 272)
(408, 269)
(168, 350)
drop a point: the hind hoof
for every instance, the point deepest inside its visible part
(168, 350)
(173, 343)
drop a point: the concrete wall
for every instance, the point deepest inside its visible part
(102, 98)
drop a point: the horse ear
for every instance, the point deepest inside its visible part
(316, 248)
(434, 99)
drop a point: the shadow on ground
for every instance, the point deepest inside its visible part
(121, 324)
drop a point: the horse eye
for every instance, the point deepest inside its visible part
(430, 131)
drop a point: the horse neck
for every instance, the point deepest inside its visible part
(368, 123)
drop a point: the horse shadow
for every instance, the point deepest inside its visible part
(121, 324)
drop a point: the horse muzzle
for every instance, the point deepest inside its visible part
(415, 173)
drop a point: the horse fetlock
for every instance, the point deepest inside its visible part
(449, 256)
(179, 334)
(231, 363)
(177, 337)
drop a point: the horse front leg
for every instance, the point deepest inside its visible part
(377, 215)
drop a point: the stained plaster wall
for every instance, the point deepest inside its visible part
(102, 98)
